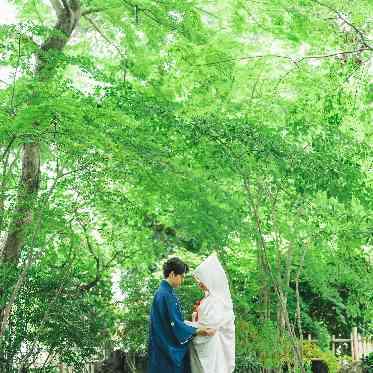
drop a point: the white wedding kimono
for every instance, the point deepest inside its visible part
(214, 354)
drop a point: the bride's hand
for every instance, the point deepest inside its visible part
(194, 316)
(210, 332)
(206, 332)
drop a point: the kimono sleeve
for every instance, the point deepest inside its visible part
(183, 332)
(212, 313)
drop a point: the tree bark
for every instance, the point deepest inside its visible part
(29, 186)
(68, 14)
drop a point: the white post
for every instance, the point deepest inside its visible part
(333, 344)
(352, 347)
(355, 344)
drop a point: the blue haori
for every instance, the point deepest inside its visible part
(169, 335)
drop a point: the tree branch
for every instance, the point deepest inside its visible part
(7, 149)
(332, 54)
(57, 7)
(94, 282)
(66, 5)
(98, 10)
(83, 167)
(97, 28)
(75, 5)
(148, 13)
(295, 61)
(343, 19)
(93, 10)
(15, 77)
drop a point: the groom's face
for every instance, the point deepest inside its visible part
(176, 280)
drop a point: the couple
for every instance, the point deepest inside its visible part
(207, 343)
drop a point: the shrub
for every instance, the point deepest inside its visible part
(311, 351)
(367, 363)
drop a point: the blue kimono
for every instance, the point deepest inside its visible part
(169, 335)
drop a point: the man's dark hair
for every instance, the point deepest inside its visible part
(176, 265)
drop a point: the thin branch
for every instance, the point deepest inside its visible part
(6, 151)
(343, 19)
(6, 169)
(333, 54)
(50, 356)
(19, 283)
(83, 167)
(267, 266)
(66, 5)
(15, 76)
(57, 7)
(108, 264)
(75, 5)
(89, 244)
(47, 314)
(93, 10)
(208, 13)
(150, 14)
(291, 59)
(298, 314)
(90, 285)
(97, 28)
(246, 58)
(99, 267)
(99, 10)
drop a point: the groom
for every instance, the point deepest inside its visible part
(169, 335)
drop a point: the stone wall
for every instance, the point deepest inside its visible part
(120, 362)
(354, 367)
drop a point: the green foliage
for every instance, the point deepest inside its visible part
(312, 351)
(53, 314)
(260, 345)
(367, 363)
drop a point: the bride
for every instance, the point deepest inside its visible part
(213, 354)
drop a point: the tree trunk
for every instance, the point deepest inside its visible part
(29, 186)
(68, 15)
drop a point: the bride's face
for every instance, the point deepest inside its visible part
(201, 285)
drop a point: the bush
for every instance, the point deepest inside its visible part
(247, 363)
(311, 350)
(367, 363)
